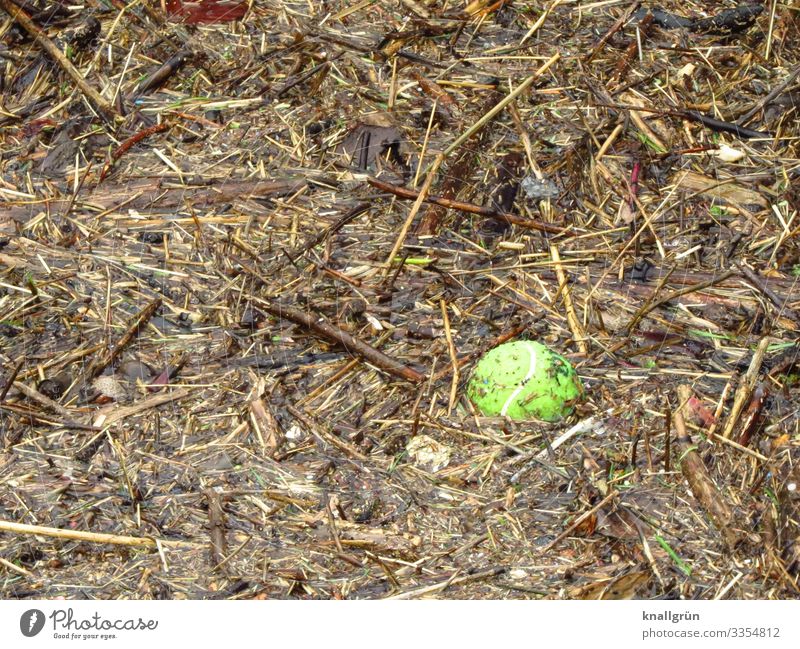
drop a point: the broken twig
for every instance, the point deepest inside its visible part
(351, 344)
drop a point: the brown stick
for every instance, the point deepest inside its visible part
(314, 240)
(453, 356)
(638, 315)
(458, 175)
(422, 195)
(15, 568)
(57, 55)
(771, 94)
(324, 435)
(216, 522)
(613, 30)
(572, 319)
(351, 344)
(506, 217)
(123, 148)
(91, 537)
(332, 526)
(101, 363)
(13, 377)
(746, 386)
(133, 330)
(74, 195)
(164, 72)
(38, 397)
(696, 474)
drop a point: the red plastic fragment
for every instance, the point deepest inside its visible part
(206, 12)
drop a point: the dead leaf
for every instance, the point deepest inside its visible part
(428, 454)
(265, 426)
(720, 189)
(626, 586)
(620, 523)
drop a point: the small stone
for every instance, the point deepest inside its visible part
(109, 387)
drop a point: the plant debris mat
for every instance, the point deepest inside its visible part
(251, 253)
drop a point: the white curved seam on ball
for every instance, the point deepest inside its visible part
(521, 387)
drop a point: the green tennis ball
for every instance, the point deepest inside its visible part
(524, 380)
